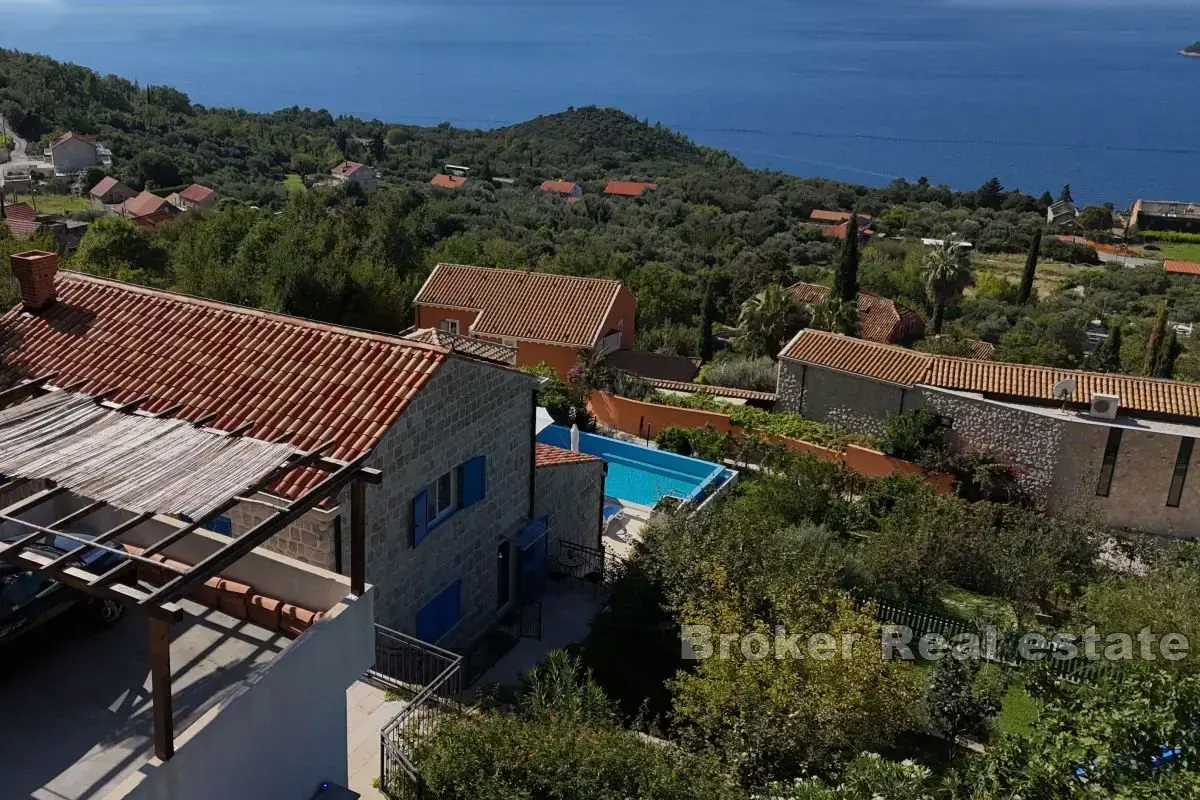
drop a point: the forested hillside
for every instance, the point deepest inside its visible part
(712, 224)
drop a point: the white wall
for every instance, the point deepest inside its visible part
(282, 732)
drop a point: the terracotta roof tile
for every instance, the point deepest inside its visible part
(242, 363)
(154, 219)
(879, 319)
(196, 193)
(546, 455)
(21, 220)
(871, 359)
(560, 309)
(559, 187)
(822, 215)
(145, 203)
(1182, 267)
(715, 391)
(447, 181)
(629, 188)
(1018, 381)
(347, 168)
(104, 186)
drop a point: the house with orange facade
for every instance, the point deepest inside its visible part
(547, 318)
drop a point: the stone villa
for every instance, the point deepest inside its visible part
(459, 528)
(1119, 448)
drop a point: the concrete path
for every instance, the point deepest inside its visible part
(367, 711)
(1129, 261)
(20, 160)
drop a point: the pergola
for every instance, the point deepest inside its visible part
(151, 464)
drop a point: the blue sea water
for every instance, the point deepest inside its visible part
(1036, 92)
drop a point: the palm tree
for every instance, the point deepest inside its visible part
(766, 320)
(837, 315)
(946, 272)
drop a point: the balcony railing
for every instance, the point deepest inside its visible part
(522, 622)
(404, 663)
(587, 566)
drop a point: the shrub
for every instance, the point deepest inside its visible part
(795, 426)
(675, 439)
(1070, 252)
(915, 435)
(954, 705)
(755, 374)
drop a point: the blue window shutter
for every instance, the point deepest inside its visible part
(440, 614)
(474, 481)
(420, 510)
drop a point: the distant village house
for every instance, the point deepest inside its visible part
(1165, 215)
(193, 197)
(450, 182)
(548, 318)
(571, 189)
(629, 188)
(74, 152)
(879, 319)
(145, 203)
(1062, 215)
(366, 178)
(110, 192)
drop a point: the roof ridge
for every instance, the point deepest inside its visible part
(509, 270)
(279, 316)
(1064, 370)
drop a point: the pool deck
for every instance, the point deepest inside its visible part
(622, 533)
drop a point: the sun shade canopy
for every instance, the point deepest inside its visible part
(138, 463)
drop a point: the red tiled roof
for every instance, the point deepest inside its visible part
(152, 220)
(879, 319)
(196, 193)
(715, 391)
(1182, 267)
(1018, 381)
(145, 203)
(980, 349)
(821, 215)
(284, 373)
(561, 309)
(106, 185)
(72, 135)
(560, 187)
(347, 168)
(546, 455)
(21, 220)
(448, 181)
(873, 360)
(629, 188)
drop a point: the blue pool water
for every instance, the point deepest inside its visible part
(640, 474)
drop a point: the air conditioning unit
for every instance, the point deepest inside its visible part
(1105, 406)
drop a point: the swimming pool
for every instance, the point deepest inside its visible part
(639, 474)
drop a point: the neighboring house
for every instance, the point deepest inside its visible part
(443, 181)
(979, 349)
(569, 493)
(193, 197)
(1062, 214)
(74, 152)
(1124, 462)
(655, 365)
(879, 319)
(145, 203)
(452, 433)
(548, 318)
(629, 188)
(110, 192)
(571, 190)
(1188, 268)
(1165, 215)
(367, 178)
(21, 220)
(492, 351)
(821, 216)
(154, 219)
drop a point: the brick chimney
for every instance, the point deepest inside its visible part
(35, 271)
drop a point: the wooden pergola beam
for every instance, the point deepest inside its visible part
(231, 553)
(25, 389)
(103, 538)
(160, 688)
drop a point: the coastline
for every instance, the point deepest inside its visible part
(1188, 54)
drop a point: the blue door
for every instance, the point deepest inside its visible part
(531, 545)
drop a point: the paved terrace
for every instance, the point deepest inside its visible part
(75, 701)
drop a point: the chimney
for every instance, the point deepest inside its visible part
(35, 271)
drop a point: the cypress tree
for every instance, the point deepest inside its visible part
(1065, 195)
(1107, 355)
(845, 282)
(707, 312)
(1031, 261)
(1155, 347)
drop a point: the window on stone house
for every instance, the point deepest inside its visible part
(443, 495)
(1181, 468)
(1108, 466)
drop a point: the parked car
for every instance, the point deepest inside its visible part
(29, 599)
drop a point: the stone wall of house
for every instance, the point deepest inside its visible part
(308, 539)
(848, 401)
(1029, 442)
(571, 497)
(467, 409)
(1141, 481)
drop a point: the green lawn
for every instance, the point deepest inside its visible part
(971, 606)
(1176, 251)
(1018, 712)
(293, 183)
(1049, 278)
(52, 203)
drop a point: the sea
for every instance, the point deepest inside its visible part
(1038, 93)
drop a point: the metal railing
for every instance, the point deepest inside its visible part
(404, 662)
(522, 622)
(589, 566)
